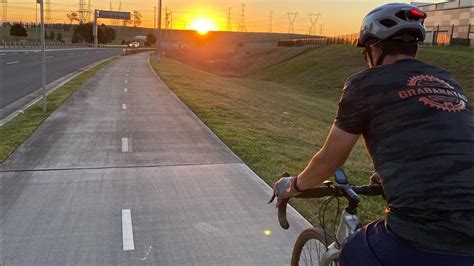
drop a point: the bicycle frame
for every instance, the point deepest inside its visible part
(349, 225)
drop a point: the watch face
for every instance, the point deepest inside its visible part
(340, 177)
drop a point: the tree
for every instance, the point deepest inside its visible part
(83, 34)
(137, 18)
(72, 17)
(18, 30)
(106, 34)
(52, 35)
(59, 37)
(150, 39)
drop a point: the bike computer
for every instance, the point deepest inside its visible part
(341, 177)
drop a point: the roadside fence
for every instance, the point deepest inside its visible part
(450, 35)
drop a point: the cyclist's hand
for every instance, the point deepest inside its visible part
(375, 179)
(284, 189)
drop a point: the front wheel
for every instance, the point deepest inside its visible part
(310, 246)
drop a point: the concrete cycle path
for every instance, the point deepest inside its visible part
(123, 174)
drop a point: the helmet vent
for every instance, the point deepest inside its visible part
(402, 15)
(388, 23)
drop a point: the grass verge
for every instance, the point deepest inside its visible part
(17, 130)
(275, 120)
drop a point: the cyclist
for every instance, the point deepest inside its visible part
(418, 129)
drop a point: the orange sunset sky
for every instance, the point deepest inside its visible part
(337, 16)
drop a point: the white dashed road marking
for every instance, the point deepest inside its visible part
(124, 106)
(14, 62)
(125, 145)
(125, 90)
(49, 57)
(127, 230)
(126, 81)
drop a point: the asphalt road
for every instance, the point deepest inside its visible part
(123, 174)
(20, 71)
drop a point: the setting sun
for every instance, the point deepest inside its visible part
(203, 26)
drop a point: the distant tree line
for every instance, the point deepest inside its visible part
(82, 33)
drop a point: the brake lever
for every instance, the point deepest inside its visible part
(285, 174)
(272, 199)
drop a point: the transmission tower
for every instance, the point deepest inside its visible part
(270, 25)
(167, 20)
(291, 22)
(314, 20)
(110, 6)
(89, 11)
(84, 11)
(47, 10)
(229, 19)
(242, 26)
(4, 10)
(321, 29)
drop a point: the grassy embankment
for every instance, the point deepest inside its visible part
(17, 130)
(277, 119)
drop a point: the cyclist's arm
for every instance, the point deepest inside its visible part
(350, 122)
(332, 155)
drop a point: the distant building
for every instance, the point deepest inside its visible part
(450, 23)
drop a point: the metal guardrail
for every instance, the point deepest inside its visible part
(49, 45)
(129, 51)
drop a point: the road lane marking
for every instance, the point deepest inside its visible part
(126, 75)
(2, 54)
(125, 145)
(49, 57)
(127, 230)
(125, 90)
(126, 81)
(124, 106)
(13, 62)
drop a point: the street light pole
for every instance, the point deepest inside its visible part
(43, 53)
(158, 33)
(36, 25)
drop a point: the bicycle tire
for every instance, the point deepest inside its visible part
(320, 243)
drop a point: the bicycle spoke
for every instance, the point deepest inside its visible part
(311, 253)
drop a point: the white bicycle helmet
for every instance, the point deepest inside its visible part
(390, 21)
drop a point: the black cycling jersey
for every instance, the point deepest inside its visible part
(418, 129)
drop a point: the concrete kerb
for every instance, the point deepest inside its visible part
(258, 180)
(60, 82)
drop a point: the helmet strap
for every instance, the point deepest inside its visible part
(369, 54)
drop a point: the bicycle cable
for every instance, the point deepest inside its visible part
(322, 215)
